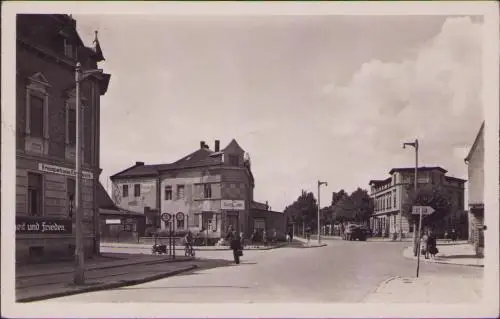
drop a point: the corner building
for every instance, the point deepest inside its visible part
(48, 48)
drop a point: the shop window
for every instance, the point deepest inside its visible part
(36, 252)
(125, 190)
(168, 192)
(35, 194)
(207, 191)
(137, 190)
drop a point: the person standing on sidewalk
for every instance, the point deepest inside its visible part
(431, 245)
(424, 245)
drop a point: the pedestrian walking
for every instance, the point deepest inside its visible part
(253, 237)
(236, 247)
(275, 237)
(264, 238)
(290, 235)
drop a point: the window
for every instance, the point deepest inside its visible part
(125, 190)
(69, 49)
(180, 191)
(394, 196)
(36, 116)
(71, 188)
(180, 224)
(137, 190)
(234, 160)
(34, 194)
(207, 191)
(168, 192)
(71, 133)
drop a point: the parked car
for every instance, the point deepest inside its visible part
(354, 232)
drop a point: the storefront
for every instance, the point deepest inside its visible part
(45, 222)
(234, 215)
(118, 225)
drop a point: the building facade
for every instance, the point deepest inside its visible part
(475, 166)
(392, 194)
(210, 189)
(48, 48)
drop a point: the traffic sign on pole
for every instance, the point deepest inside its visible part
(424, 210)
(179, 216)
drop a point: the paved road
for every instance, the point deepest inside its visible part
(340, 272)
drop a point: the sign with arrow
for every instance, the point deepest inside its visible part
(424, 210)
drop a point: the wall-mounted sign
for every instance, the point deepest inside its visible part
(232, 204)
(179, 216)
(63, 170)
(113, 221)
(33, 225)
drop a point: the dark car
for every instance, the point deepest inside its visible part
(354, 232)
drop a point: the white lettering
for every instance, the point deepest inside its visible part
(63, 171)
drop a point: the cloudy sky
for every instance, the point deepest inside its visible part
(309, 97)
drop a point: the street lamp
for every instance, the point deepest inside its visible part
(319, 207)
(79, 276)
(416, 250)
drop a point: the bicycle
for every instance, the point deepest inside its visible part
(189, 251)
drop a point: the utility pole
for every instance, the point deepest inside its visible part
(79, 276)
(319, 208)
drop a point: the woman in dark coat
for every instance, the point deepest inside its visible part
(431, 245)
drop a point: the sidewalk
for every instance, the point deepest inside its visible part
(428, 289)
(180, 249)
(309, 244)
(38, 282)
(458, 253)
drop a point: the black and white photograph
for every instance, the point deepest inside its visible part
(250, 159)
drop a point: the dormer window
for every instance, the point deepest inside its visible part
(69, 48)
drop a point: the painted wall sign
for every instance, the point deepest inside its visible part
(113, 221)
(27, 225)
(232, 204)
(63, 170)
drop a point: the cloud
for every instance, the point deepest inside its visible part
(435, 96)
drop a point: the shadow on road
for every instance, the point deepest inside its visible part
(184, 287)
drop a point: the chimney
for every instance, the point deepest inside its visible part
(139, 163)
(202, 144)
(267, 205)
(217, 146)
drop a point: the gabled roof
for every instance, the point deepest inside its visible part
(103, 199)
(476, 141)
(200, 158)
(421, 168)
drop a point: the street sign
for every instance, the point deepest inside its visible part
(425, 210)
(179, 216)
(166, 217)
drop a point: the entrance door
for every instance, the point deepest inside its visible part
(233, 221)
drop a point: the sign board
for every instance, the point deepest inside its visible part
(113, 221)
(63, 170)
(128, 227)
(232, 204)
(40, 225)
(179, 216)
(166, 217)
(425, 210)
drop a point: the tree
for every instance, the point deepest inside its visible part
(428, 195)
(336, 197)
(362, 204)
(304, 210)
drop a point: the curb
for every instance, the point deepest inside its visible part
(151, 262)
(112, 285)
(442, 262)
(196, 249)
